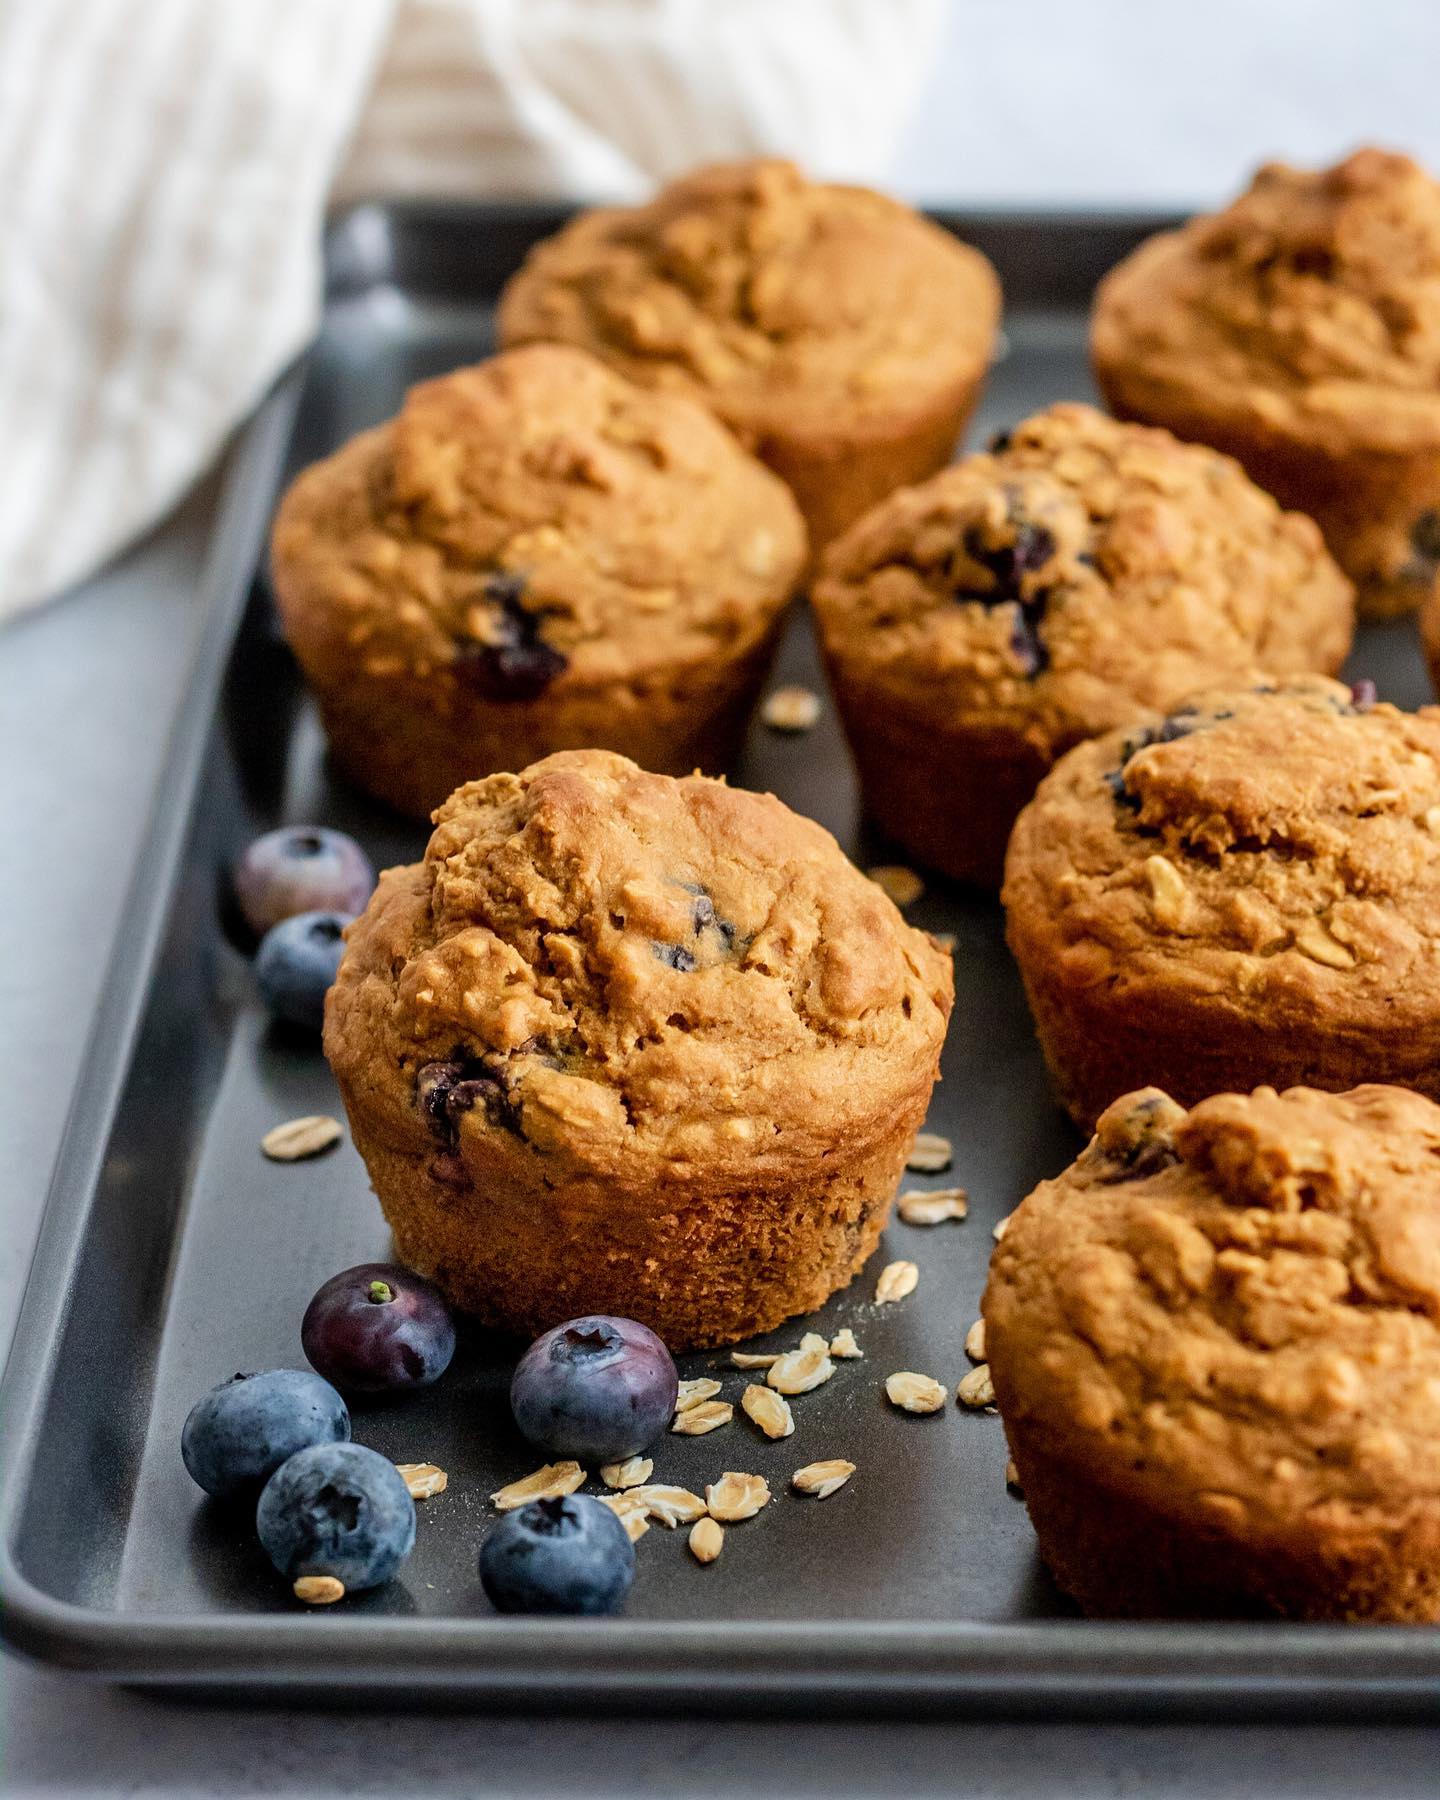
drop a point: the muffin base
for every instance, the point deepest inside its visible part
(522, 1246)
(1121, 1559)
(948, 794)
(390, 738)
(1102, 1041)
(837, 476)
(1366, 502)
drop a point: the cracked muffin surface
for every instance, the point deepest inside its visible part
(532, 555)
(840, 334)
(1299, 329)
(1074, 575)
(631, 1044)
(1215, 1342)
(1245, 890)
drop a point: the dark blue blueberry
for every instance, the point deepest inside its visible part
(596, 1389)
(377, 1329)
(558, 1556)
(238, 1435)
(296, 965)
(337, 1509)
(303, 868)
(1363, 695)
(445, 1090)
(675, 956)
(518, 664)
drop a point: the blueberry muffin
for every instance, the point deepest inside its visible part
(1245, 891)
(627, 1044)
(1299, 330)
(839, 334)
(1215, 1344)
(1082, 571)
(533, 555)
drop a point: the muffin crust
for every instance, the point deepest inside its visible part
(533, 555)
(1215, 1343)
(839, 334)
(1245, 891)
(1299, 330)
(1078, 573)
(627, 1044)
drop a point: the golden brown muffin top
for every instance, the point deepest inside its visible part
(536, 518)
(612, 962)
(1235, 1312)
(1275, 848)
(1311, 304)
(1076, 574)
(789, 305)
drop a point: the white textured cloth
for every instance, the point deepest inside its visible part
(165, 166)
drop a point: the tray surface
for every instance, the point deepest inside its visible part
(175, 1254)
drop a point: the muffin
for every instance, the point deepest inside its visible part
(1245, 891)
(627, 1044)
(534, 555)
(1215, 1344)
(1082, 571)
(839, 334)
(1300, 331)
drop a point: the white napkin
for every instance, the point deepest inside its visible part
(165, 168)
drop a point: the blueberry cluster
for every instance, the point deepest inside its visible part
(703, 918)
(1032, 546)
(445, 1090)
(517, 664)
(295, 890)
(1177, 725)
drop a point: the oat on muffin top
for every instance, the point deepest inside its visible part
(1276, 847)
(607, 961)
(786, 303)
(1078, 572)
(533, 518)
(1312, 303)
(1237, 1308)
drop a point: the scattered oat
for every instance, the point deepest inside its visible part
(693, 1392)
(812, 1340)
(424, 1480)
(735, 1496)
(791, 709)
(822, 1479)
(897, 1279)
(709, 1415)
(929, 1154)
(319, 1590)
(914, 1393)
(1000, 1227)
(754, 1359)
(634, 1472)
(975, 1341)
(298, 1138)
(800, 1370)
(667, 1506)
(707, 1540)
(843, 1345)
(917, 1208)
(552, 1482)
(765, 1408)
(977, 1389)
(903, 885)
(1012, 1477)
(633, 1515)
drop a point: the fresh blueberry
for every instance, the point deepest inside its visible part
(558, 1556)
(596, 1389)
(238, 1435)
(304, 868)
(296, 964)
(337, 1509)
(378, 1329)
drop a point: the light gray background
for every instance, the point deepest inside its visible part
(1031, 101)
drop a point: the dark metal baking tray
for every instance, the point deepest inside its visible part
(173, 1254)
